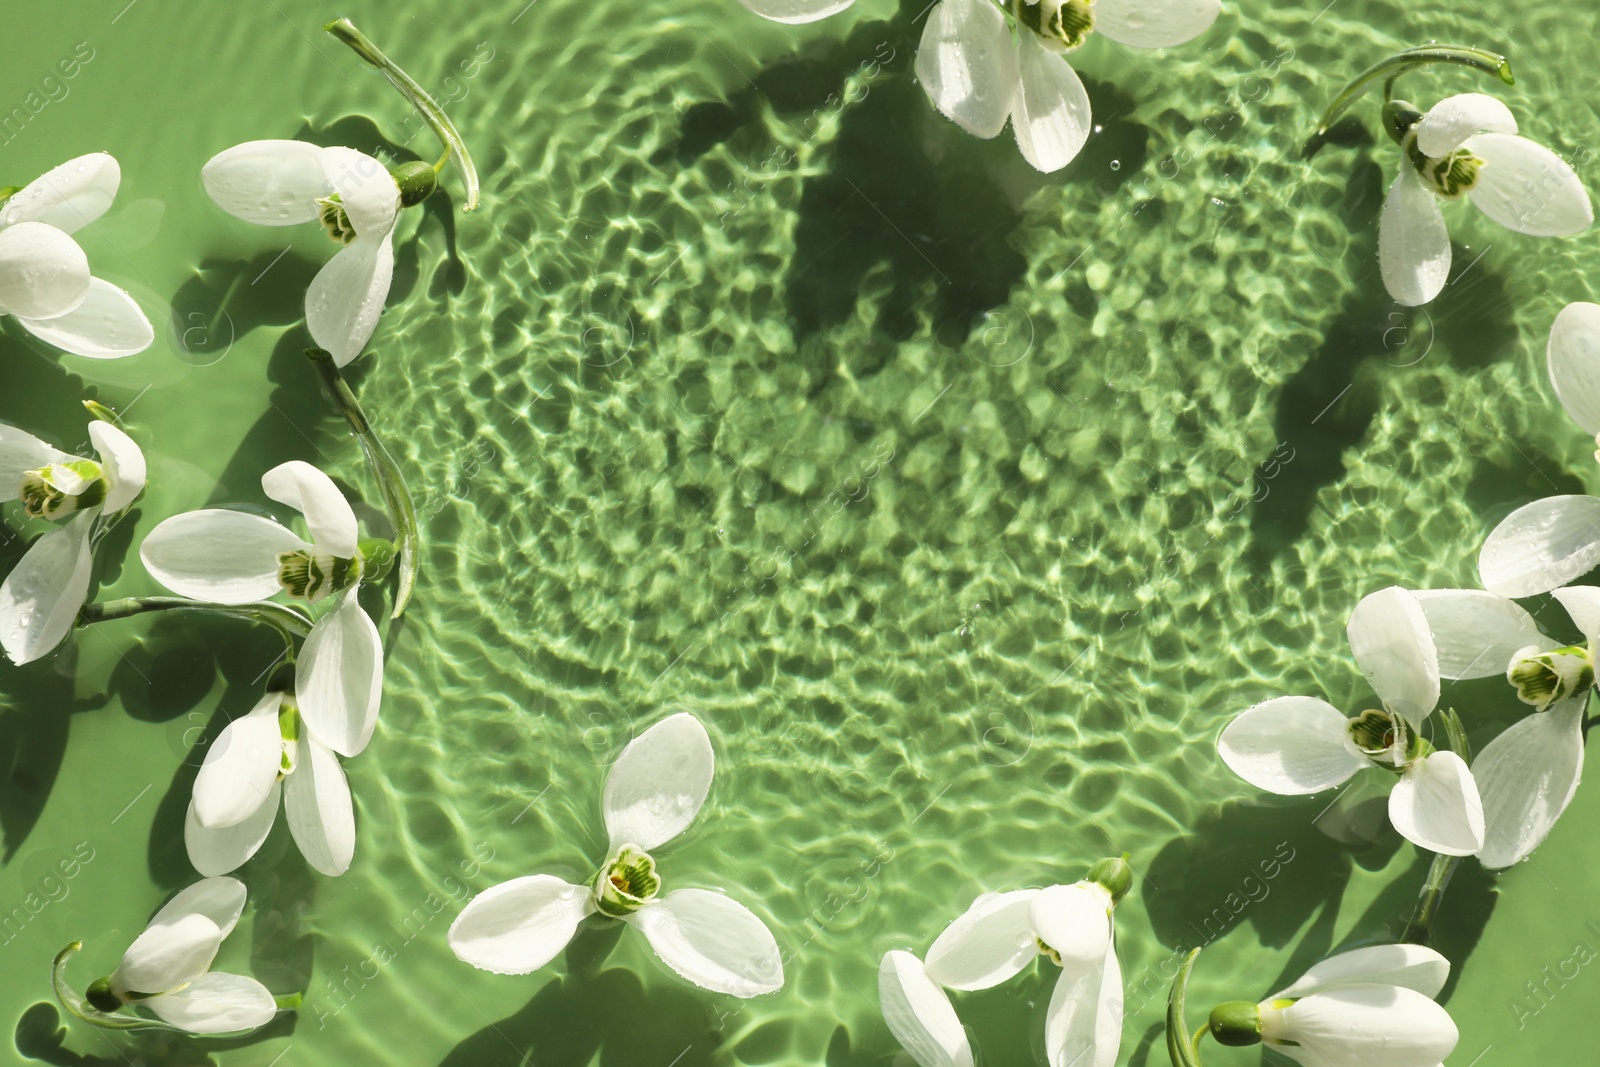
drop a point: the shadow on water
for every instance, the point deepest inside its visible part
(41, 1036)
(907, 189)
(580, 1016)
(1329, 404)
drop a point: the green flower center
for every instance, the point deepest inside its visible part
(1046, 950)
(60, 489)
(1384, 739)
(334, 219)
(626, 883)
(1450, 176)
(307, 574)
(1542, 678)
(1061, 24)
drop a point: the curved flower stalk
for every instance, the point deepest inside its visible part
(41, 597)
(271, 751)
(1466, 146)
(168, 970)
(1370, 1007)
(1530, 772)
(44, 276)
(233, 557)
(1299, 745)
(354, 197)
(980, 67)
(654, 791)
(994, 940)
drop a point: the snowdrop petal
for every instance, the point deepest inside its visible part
(1391, 643)
(316, 803)
(22, 452)
(1476, 633)
(1455, 118)
(241, 766)
(1583, 606)
(1573, 357)
(1541, 545)
(1413, 966)
(367, 191)
(219, 899)
(217, 1004)
(1075, 920)
(713, 941)
(1527, 777)
(1527, 188)
(1435, 805)
(168, 954)
(796, 12)
(340, 677)
(41, 597)
(919, 1015)
(1413, 243)
(1083, 1025)
(1290, 746)
(218, 554)
(967, 65)
(346, 297)
(657, 785)
(1051, 114)
(329, 517)
(272, 183)
(67, 197)
(519, 926)
(43, 272)
(1154, 23)
(218, 850)
(1362, 1026)
(123, 462)
(108, 324)
(988, 943)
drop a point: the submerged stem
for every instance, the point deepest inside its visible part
(1398, 64)
(1419, 930)
(430, 110)
(396, 497)
(286, 620)
(1183, 1050)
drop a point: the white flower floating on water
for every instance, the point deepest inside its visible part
(233, 557)
(652, 795)
(1529, 773)
(980, 69)
(1298, 745)
(356, 199)
(1467, 145)
(1370, 1007)
(44, 276)
(994, 940)
(168, 968)
(41, 597)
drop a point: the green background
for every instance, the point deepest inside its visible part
(757, 389)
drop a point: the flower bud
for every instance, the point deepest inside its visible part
(1398, 118)
(417, 181)
(1542, 678)
(1236, 1023)
(99, 995)
(1116, 875)
(377, 556)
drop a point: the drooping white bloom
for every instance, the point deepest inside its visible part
(41, 597)
(1530, 772)
(44, 276)
(1371, 1007)
(653, 792)
(281, 183)
(1299, 745)
(271, 751)
(978, 77)
(168, 968)
(1467, 145)
(233, 557)
(994, 940)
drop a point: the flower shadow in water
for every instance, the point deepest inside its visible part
(595, 1010)
(907, 188)
(41, 1036)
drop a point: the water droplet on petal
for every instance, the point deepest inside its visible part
(1116, 164)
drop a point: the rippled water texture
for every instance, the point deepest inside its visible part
(962, 504)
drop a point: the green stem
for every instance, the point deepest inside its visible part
(1398, 64)
(396, 497)
(1419, 931)
(1183, 1050)
(286, 620)
(430, 110)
